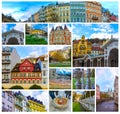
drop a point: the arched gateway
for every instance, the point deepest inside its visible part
(13, 37)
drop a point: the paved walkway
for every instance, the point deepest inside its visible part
(107, 106)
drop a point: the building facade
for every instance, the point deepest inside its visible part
(109, 58)
(116, 90)
(21, 103)
(77, 11)
(9, 59)
(97, 92)
(93, 11)
(36, 105)
(81, 47)
(7, 101)
(13, 37)
(26, 73)
(60, 35)
(36, 17)
(63, 12)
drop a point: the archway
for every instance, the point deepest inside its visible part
(12, 41)
(113, 58)
(88, 63)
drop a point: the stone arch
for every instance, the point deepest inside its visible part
(13, 40)
(113, 58)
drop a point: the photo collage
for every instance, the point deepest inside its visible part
(60, 56)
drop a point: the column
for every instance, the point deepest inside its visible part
(91, 63)
(82, 75)
(88, 84)
(78, 81)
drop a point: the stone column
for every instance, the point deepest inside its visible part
(88, 83)
(82, 77)
(91, 63)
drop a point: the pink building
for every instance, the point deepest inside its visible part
(97, 92)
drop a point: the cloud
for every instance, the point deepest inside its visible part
(56, 47)
(103, 35)
(19, 27)
(44, 98)
(34, 54)
(4, 27)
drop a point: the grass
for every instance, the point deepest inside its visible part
(60, 64)
(74, 81)
(30, 39)
(77, 107)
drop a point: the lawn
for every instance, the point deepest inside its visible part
(30, 39)
(74, 81)
(77, 107)
(58, 64)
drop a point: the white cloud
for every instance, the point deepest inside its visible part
(34, 54)
(4, 27)
(44, 98)
(19, 27)
(56, 47)
(103, 35)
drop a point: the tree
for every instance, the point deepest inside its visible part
(16, 87)
(58, 56)
(35, 87)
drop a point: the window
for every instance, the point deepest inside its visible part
(3, 104)
(3, 94)
(9, 98)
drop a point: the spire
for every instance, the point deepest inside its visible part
(65, 27)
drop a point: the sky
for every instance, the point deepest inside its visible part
(39, 26)
(105, 78)
(30, 51)
(23, 10)
(94, 31)
(57, 47)
(8, 27)
(39, 95)
(63, 71)
(59, 24)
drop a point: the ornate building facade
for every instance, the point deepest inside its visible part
(36, 105)
(60, 35)
(13, 37)
(116, 90)
(7, 101)
(109, 58)
(26, 73)
(9, 59)
(81, 47)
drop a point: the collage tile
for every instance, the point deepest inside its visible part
(60, 57)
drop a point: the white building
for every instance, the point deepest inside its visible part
(9, 59)
(13, 37)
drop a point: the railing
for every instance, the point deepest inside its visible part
(18, 104)
(5, 61)
(88, 103)
(5, 70)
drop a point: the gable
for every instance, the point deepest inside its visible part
(26, 63)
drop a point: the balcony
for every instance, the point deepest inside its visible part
(5, 52)
(18, 104)
(4, 109)
(94, 18)
(5, 70)
(5, 80)
(6, 61)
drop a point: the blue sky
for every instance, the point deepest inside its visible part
(94, 30)
(39, 95)
(63, 71)
(105, 78)
(8, 27)
(23, 10)
(39, 26)
(30, 51)
(112, 6)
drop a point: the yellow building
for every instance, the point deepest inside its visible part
(81, 47)
(40, 32)
(64, 12)
(51, 14)
(36, 105)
